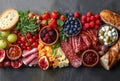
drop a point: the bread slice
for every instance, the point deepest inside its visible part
(111, 18)
(8, 19)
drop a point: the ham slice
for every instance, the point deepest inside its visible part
(28, 53)
(29, 59)
(34, 62)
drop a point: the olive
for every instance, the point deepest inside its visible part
(110, 28)
(102, 33)
(107, 38)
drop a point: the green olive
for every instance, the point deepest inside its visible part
(110, 28)
(108, 38)
(101, 41)
(102, 33)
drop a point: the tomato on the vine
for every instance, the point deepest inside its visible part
(29, 35)
(23, 39)
(31, 40)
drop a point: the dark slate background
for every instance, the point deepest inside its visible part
(69, 73)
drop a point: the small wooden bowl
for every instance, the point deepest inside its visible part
(57, 36)
(14, 57)
(90, 50)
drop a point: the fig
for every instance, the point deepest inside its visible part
(2, 55)
(43, 63)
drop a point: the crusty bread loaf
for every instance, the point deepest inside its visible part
(8, 19)
(111, 57)
(111, 18)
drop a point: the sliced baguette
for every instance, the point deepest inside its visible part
(8, 19)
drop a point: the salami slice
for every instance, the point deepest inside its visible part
(75, 61)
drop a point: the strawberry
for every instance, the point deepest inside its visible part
(45, 16)
(54, 15)
(44, 22)
(62, 17)
(76, 14)
(52, 23)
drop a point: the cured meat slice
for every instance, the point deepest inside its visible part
(29, 59)
(34, 62)
(76, 44)
(75, 61)
(86, 40)
(27, 53)
(73, 43)
(70, 40)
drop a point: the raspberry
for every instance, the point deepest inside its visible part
(98, 21)
(89, 14)
(97, 26)
(76, 14)
(97, 16)
(83, 22)
(92, 24)
(83, 18)
(87, 25)
(92, 18)
(88, 19)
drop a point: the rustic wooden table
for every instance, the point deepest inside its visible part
(65, 74)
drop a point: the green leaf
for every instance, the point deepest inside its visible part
(60, 22)
(54, 52)
(56, 45)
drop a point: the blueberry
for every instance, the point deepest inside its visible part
(76, 23)
(71, 22)
(70, 32)
(76, 32)
(78, 28)
(72, 26)
(75, 26)
(73, 18)
(70, 15)
(74, 29)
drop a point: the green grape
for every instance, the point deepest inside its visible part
(5, 33)
(3, 44)
(12, 38)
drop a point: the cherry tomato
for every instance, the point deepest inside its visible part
(23, 39)
(29, 35)
(27, 44)
(17, 63)
(31, 40)
(35, 44)
(34, 37)
(28, 48)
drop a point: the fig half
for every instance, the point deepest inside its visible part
(43, 63)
